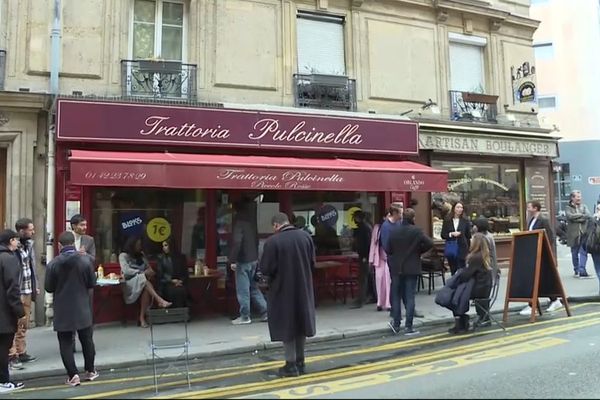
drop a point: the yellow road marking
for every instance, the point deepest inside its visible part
(387, 364)
(248, 369)
(361, 382)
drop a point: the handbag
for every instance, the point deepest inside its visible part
(451, 249)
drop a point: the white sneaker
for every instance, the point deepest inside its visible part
(555, 305)
(526, 311)
(241, 321)
(10, 386)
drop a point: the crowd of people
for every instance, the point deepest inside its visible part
(389, 254)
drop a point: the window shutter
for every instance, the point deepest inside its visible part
(320, 46)
(466, 67)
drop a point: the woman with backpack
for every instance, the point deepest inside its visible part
(592, 242)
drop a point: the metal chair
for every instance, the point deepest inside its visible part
(168, 316)
(492, 299)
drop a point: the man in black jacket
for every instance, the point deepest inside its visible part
(11, 307)
(404, 248)
(244, 261)
(70, 276)
(362, 243)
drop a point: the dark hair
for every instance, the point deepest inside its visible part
(23, 223)
(482, 225)
(173, 247)
(536, 204)
(280, 219)
(359, 215)
(6, 236)
(129, 246)
(77, 219)
(453, 210)
(67, 238)
(409, 216)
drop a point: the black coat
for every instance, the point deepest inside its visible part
(404, 248)
(456, 294)
(481, 275)
(464, 240)
(244, 246)
(69, 276)
(544, 223)
(175, 269)
(11, 307)
(287, 260)
(362, 239)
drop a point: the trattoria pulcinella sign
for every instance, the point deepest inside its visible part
(217, 127)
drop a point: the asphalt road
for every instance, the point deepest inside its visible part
(556, 357)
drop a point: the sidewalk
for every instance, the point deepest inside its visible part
(120, 346)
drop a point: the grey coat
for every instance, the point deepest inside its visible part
(288, 260)
(90, 246)
(135, 279)
(577, 220)
(70, 276)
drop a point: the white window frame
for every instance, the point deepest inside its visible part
(158, 28)
(325, 18)
(476, 41)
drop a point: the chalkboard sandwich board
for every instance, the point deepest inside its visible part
(533, 272)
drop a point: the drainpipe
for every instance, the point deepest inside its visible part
(55, 59)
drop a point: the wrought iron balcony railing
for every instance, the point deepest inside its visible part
(477, 107)
(2, 68)
(325, 91)
(158, 79)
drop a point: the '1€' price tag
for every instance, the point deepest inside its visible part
(158, 229)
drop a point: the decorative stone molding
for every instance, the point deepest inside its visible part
(323, 4)
(3, 119)
(495, 25)
(357, 3)
(442, 16)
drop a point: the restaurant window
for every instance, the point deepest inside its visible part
(320, 41)
(486, 190)
(327, 217)
(467, 72)
(158, 29)
(152, 214)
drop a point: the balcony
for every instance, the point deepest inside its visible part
(2, 68)
(158, 79)
(475, 107)
(333, 92)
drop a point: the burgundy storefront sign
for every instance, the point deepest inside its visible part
(222, 172)
(86, 121)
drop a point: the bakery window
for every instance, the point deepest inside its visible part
(490, 190)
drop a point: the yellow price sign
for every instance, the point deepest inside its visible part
(158, 229)
(349, 217)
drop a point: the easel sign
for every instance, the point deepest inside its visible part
(533, 272)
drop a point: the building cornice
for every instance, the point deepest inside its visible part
(23, 101)
(467, 127)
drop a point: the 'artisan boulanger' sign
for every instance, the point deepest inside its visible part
(482, 144)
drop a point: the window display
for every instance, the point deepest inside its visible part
(486, 190)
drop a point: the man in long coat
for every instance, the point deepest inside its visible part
(287, 260)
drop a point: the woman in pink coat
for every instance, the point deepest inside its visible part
(383, 281)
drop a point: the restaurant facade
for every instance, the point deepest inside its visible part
(160, 172)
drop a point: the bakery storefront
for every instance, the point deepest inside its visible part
(159, 172)
(494, 172)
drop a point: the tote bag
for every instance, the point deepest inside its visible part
(451, 249)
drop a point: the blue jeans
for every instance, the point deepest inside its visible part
(596, 258)
(246, 288)
(579, 258)
(403, 291)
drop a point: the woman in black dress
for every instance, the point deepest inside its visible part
(457, 228)
(173, 275)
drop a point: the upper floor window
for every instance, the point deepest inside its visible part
(547, 101)
(543, 51)
(467, 71)
(320, 44)
(158, 29)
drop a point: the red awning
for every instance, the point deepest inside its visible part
(209, 171)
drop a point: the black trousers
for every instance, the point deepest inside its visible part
(363, 279)
(66, 343)
(176, 295)
(6, 341)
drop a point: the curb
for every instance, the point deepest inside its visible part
(59, 371)
(584, 299)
